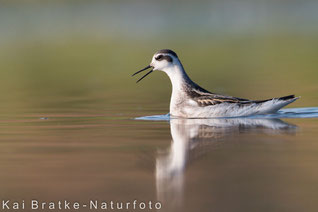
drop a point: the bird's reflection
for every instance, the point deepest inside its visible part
(191, 136)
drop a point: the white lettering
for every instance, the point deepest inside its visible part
(15, 205)
(76, 205)
(104, 205)
(127, 205)
(66, 205)
(142, 205)
(134, 203)
(111, 204)
(51, 205)
(34, 204)
(121, 205)
(5, 204)
(92, 204)
(43, 205)
(158, 205)
(150, 203)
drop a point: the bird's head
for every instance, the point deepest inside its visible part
(163, 60)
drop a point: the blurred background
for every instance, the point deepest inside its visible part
(57, 54)
(67, 101)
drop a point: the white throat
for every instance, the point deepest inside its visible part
(178, 77)
(179, 80)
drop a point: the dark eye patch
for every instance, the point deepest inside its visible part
(159, 57)
(164, 57)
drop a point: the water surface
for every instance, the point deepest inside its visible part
(258, 163)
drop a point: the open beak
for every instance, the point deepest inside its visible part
(144, 69)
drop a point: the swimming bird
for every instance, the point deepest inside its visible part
(189, 100)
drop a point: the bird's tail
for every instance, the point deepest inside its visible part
(286, 98)
(273, 105)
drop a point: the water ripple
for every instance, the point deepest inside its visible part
(302, 112)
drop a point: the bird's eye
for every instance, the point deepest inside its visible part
(159, 57)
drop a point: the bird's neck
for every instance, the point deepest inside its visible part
(180, 83)
(178, 77)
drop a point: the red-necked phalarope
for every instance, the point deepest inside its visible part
(189, 100)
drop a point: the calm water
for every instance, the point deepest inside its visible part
(240, 164)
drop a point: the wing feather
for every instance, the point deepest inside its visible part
(206, 98)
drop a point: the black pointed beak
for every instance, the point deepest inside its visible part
(144, 69)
